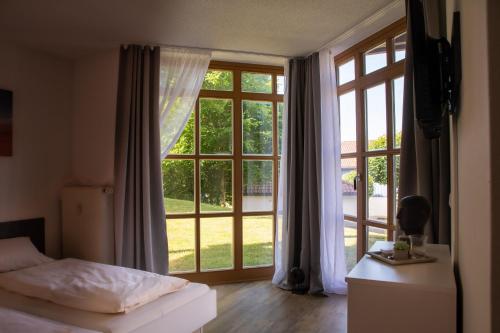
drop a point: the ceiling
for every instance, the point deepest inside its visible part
(73, 28)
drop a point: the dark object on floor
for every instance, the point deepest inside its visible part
(297, 278)
(414, 212)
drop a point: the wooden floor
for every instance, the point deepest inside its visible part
(261, 307)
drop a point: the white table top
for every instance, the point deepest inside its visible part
(436, 275)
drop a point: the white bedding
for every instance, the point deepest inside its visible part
(12, 321)
(183, 311)
(90, 286)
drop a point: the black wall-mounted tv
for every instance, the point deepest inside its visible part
(436, 71)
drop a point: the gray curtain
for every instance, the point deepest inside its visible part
(140, 235)
(304, 171)
(425, 164)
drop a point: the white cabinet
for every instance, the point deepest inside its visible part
(418, 298)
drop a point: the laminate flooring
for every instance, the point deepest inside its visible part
(261, 307)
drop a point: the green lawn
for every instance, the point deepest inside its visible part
(350, 247)
(350, 241)
(216, 235)
(174, 206)
(216, 240)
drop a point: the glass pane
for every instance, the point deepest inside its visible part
(350, 243)
(346, 72)
(377, 188)
(375, 58)
(257, 186)
(181, 245)
(216, 243)
(397, 106)
(257, 241)
(185, 144)
(218, 80)
(376, 124)
(399, 47)
(257, 128)
(216, 186)
(375, 234)
(257, 83)
(216, 126)
(281, 108)
(347, 105)
(280, 84)
(349, 194)
(178, 186)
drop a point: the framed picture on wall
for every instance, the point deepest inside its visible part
(5, 122)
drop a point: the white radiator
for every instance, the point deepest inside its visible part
(87, 223)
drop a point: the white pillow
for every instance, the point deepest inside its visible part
(17, 253)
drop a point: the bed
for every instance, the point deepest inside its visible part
(12, 321)
(186, 310)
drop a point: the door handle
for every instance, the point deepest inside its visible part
(356, 180)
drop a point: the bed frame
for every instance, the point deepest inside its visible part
(32, 228)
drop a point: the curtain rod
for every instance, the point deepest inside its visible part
(215, 50)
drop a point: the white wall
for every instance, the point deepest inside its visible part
(473, 162)
(94, 109)
(30, 180)
(64, 127)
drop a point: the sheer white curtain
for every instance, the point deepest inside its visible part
(181, 75)
(333, 268)
(280, 250)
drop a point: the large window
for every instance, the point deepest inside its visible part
(220, 179)
(370, 92)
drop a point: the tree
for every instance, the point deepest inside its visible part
(349, 179)
(178, 179)
(216, 126)
(257, 127)
(377, 166)
(218, 80)
(185, 143)
(216, 131)
(256, 82)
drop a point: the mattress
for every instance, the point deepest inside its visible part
(183, 311)
(12, 321)
(90, 286)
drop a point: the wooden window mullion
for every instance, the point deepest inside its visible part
(238, 172)
(197, 185)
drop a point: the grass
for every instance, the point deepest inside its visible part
(216, 240)
(350, 242)
(185, 206)
(216, 235)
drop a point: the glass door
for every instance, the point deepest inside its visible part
(220, 179)
(370, 96)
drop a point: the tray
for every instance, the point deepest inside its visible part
(386, 256)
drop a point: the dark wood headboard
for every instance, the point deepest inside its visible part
(32, 228)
